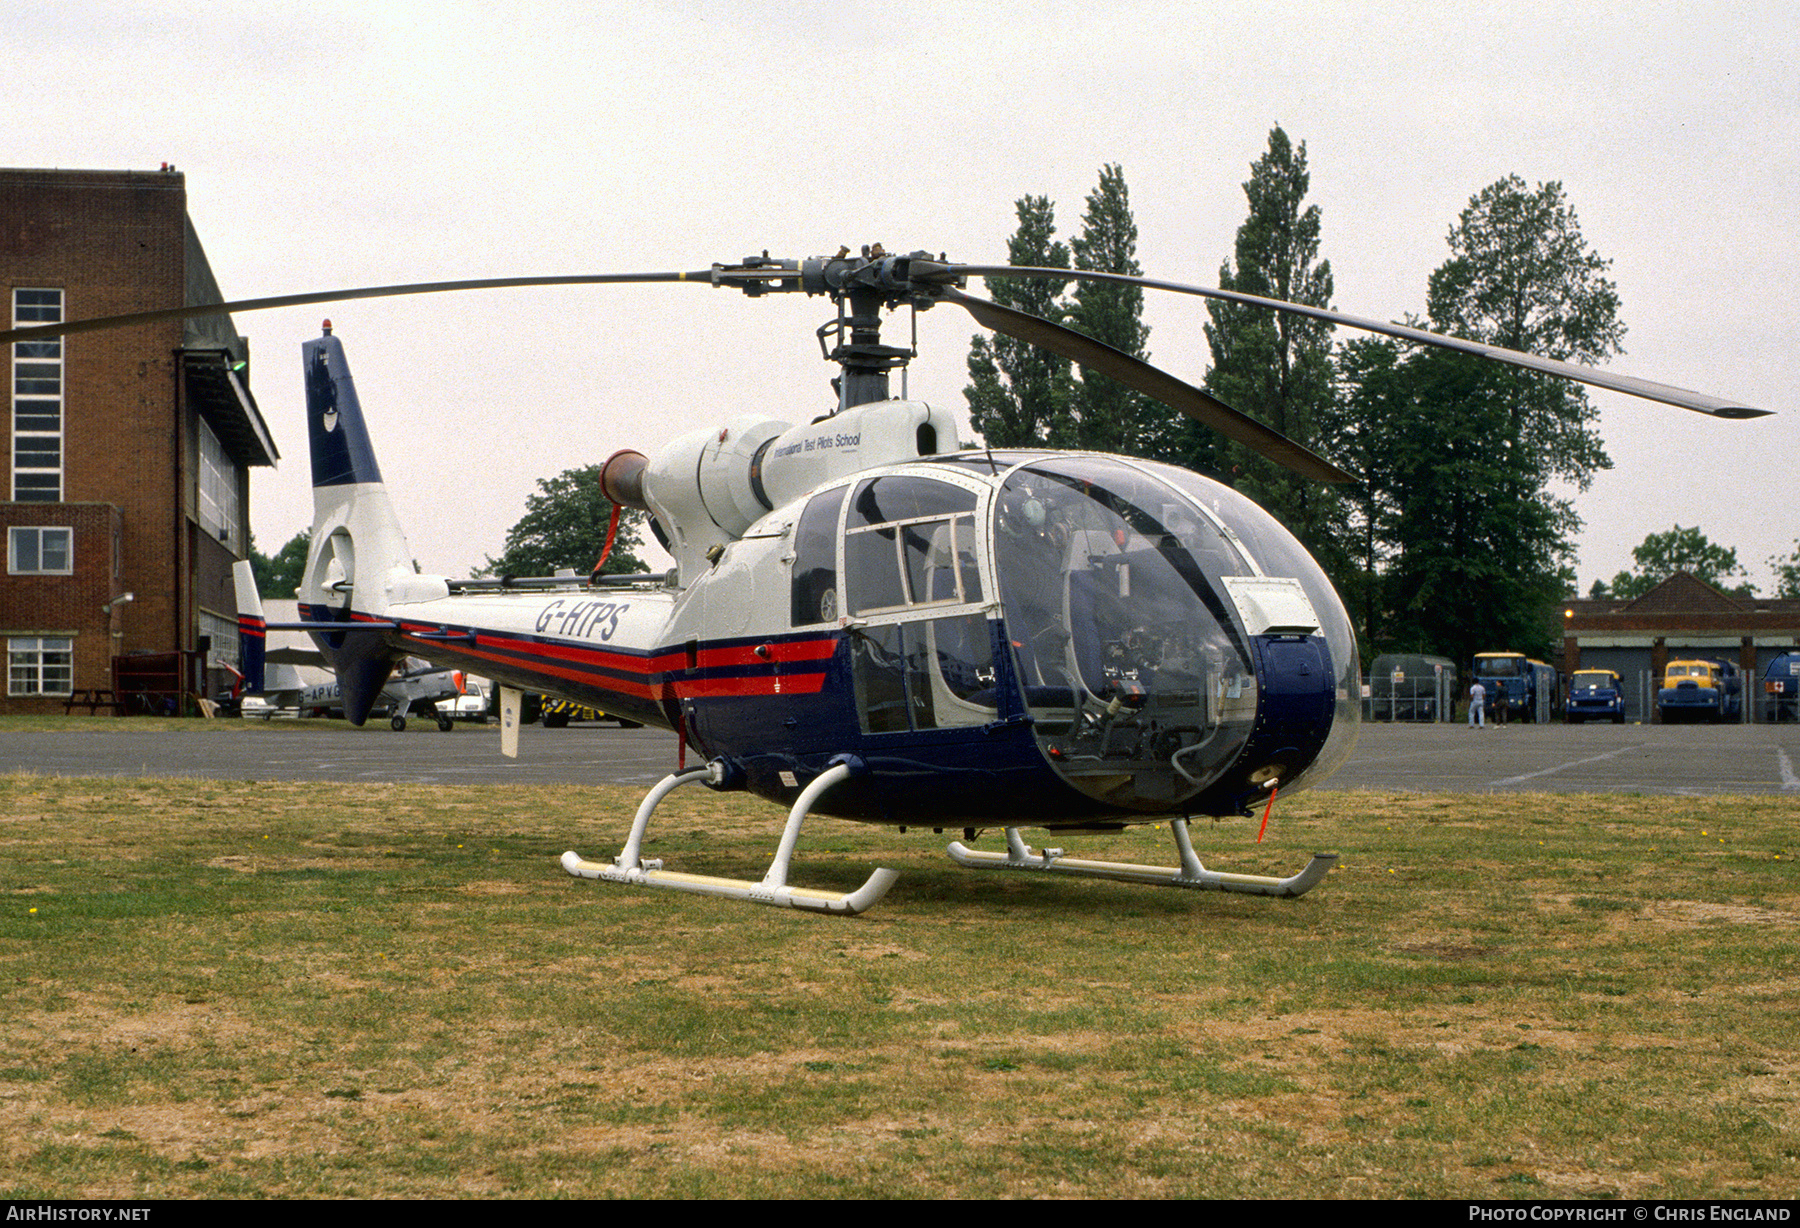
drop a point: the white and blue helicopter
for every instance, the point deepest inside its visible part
(866, 622)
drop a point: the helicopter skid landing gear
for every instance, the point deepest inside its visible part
(1190, 874)
(773, 890)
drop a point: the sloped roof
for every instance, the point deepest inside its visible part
(1682, 604)
(1683, 593)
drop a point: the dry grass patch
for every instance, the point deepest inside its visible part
(293, 990)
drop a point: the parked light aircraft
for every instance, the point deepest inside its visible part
(864, 621)
(273, 675)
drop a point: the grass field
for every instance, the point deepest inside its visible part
(221, 989)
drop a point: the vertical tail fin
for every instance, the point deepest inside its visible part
(359, 553)
(253, 629)
(341, 452)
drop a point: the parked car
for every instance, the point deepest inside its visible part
(471, 705)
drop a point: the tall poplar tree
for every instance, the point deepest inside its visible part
(1105, 415)
(1018, 393)
(1378, 399)
(1275, 366)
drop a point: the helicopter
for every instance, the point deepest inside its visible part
(867, 621)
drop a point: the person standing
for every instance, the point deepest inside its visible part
(1477, 706)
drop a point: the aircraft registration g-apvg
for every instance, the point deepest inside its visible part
(866, 622)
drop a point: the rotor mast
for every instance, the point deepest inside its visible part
(862, 286)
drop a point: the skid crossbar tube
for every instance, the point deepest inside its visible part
(630, 867)
(1190, 874)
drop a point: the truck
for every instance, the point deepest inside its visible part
(557, 713)
(1781, 687)
(1524, 687)
(1411, 687)
(1697, 690)
(1595, 695)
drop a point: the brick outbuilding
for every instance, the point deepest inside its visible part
(128, 451)
(1682, 618)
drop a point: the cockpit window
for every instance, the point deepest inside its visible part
(889, 499)
(910, 542)
(925, 661)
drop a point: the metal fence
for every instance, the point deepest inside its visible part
(1419, 697)
(1440, 699)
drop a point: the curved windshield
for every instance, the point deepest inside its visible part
(1130, 655)
(1275, 552)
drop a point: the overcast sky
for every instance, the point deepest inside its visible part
(344, 144)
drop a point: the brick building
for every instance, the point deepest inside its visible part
(1683, 618)
(127, 452)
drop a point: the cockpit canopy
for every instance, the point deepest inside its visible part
(1133, 614)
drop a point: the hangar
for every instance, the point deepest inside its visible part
(127, 452)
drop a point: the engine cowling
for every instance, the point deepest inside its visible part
(707, 487)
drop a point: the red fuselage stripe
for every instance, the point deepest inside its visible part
(652, 676)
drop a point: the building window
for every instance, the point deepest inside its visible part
(40, 552)
(220, 512)
(223, 632)
(37, 401)
(40, 665)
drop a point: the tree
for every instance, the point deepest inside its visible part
(1377, 400)
(1787, 572)
(1275, 366)
(1019, 393)
(1480, 546)
(1105, 415)
(1479, 552)
(1661, 555)
(278, 577)
(1521, 276)
(564, 526)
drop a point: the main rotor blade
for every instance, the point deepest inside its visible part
(1136, 374)
(1649, 390)
(339, 296)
